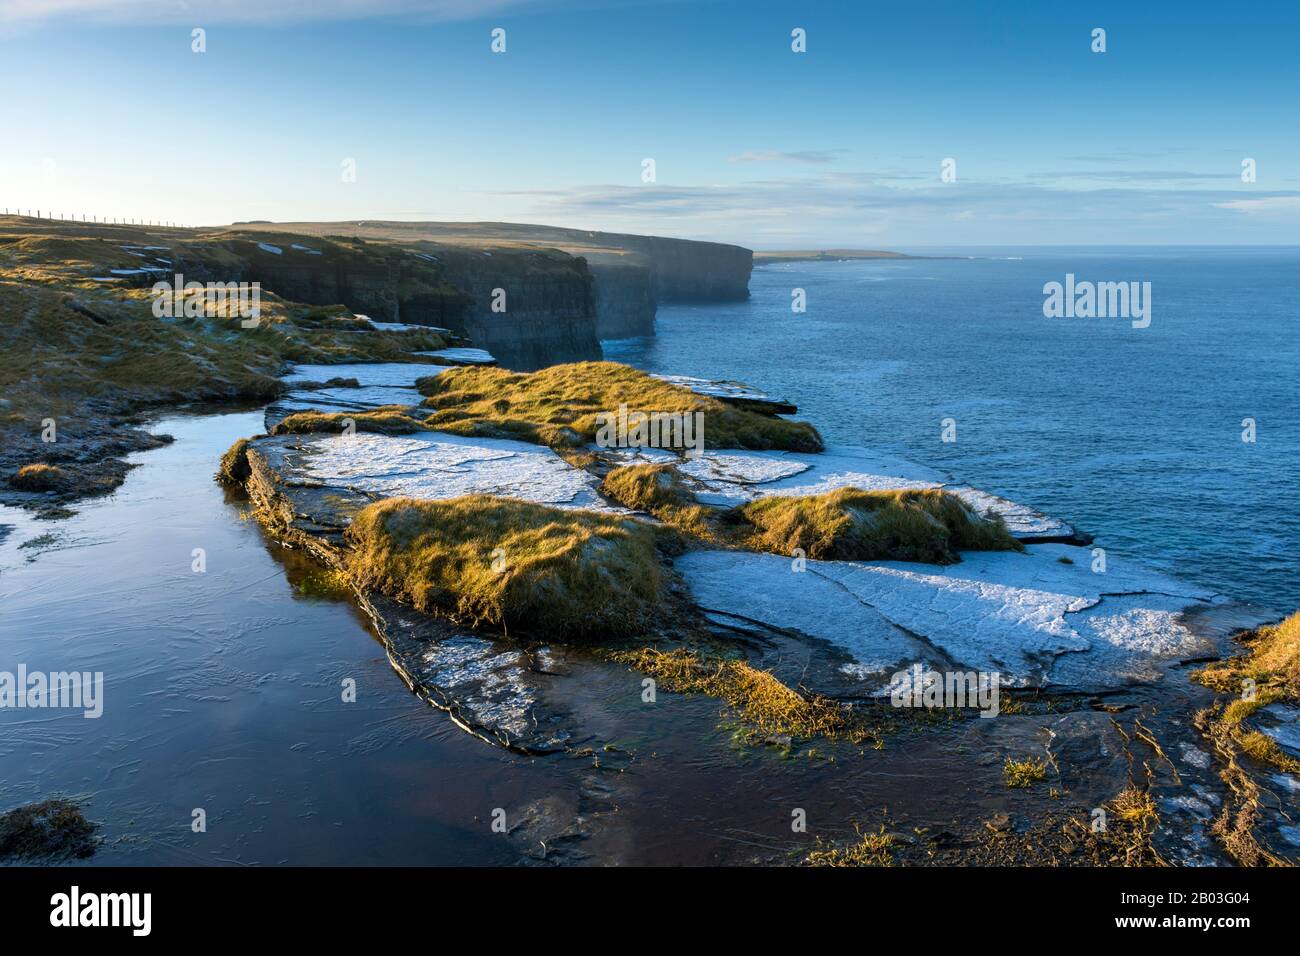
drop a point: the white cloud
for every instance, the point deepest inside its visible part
(1268, 204)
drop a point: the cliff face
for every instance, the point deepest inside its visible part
(549, 306)
(384, 283)
(549, 312)
(631, 273)
(625, 299)
(683, 270)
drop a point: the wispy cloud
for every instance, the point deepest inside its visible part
(815, 156)
(1139, 175)
(1267, 204)
(252, 11)
(848, 207)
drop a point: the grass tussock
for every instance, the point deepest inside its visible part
(659, 490)
(486, 560)
(1023, 774)
(234, 469)
(385, 420)
(39, 476)
(559, 406)
(768, 708)
(871, 849)
(853, 525)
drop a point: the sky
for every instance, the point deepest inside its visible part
(109, 111)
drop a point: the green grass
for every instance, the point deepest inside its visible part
(559, 406)
(485, 560)
(853, 525)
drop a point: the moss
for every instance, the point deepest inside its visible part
(39, 476)
(853, 525)
(871, 849)
(1023, 773)
(768, 707)
(485, 560)
(50, 830)
(385, 420)
(559, 406)
(234, 468)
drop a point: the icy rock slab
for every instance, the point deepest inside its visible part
(463, 356)
(401, 374)
(762, 589)
(728, 478)
(488, 686)
(1026, 616)
(349, 399)
(736, 393)
(440, 465)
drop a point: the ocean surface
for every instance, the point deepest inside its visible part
(1132, 434)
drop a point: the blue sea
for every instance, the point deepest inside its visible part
(1132, 434)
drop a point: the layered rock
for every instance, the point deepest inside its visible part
(631, 273)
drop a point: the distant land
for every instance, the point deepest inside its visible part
(824, 255)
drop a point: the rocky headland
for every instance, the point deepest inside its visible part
(573, 598)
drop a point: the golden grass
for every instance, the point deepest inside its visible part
(39, 476)
(385, 420)
(1023, 773)
(763, 703)
(853, 525)
(234, 468)
(1270, 668)
(871, 849)
(486, 560)
(1268, 672)
(660, 491)
(559, 406)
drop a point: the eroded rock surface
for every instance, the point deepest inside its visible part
(1029, 617)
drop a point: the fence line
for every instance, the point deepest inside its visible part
(96, 220)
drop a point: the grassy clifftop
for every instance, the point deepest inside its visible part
(80, 344)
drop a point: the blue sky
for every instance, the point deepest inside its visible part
(109, 112)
